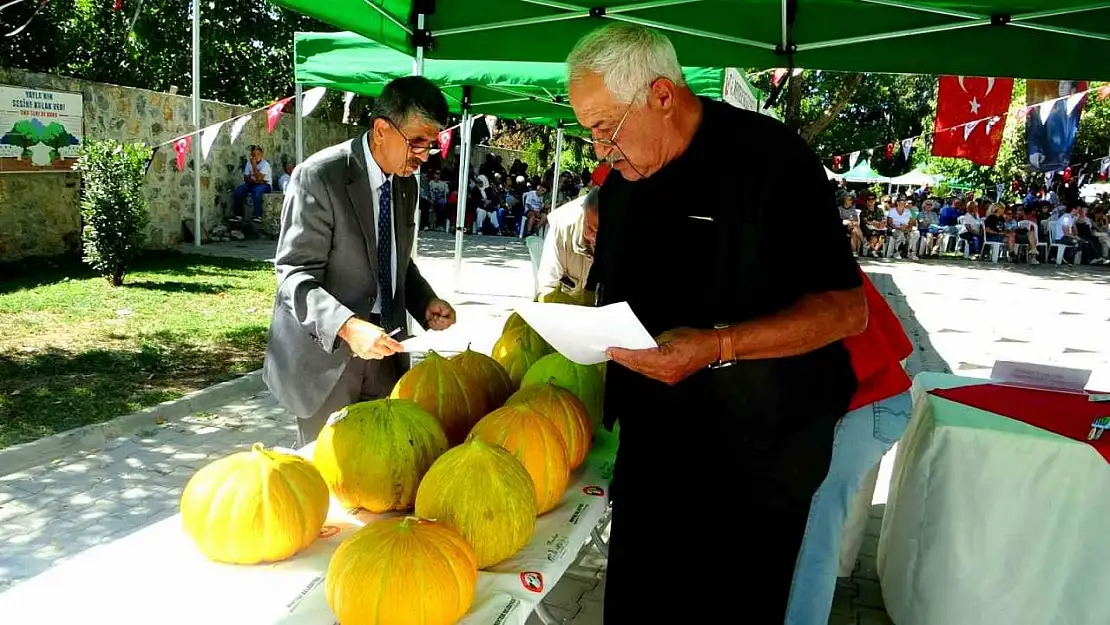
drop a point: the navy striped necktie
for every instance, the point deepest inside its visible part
(385, 255)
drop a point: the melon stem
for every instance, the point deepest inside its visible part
(257, 447)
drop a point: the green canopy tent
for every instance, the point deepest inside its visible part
(534, 92)
(1049, 39)
(862, 172)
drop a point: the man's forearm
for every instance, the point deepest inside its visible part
(812, 323)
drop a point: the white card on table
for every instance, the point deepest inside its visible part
(1040, 376)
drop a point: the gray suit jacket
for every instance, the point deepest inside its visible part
(327, 270)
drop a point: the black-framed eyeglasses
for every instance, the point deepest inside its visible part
(431, 149)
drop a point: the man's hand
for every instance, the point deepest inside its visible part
(681, 353)
(367, 340)
(439, 315)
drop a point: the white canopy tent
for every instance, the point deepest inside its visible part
(915, 178)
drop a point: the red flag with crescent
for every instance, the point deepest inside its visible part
(965, 108)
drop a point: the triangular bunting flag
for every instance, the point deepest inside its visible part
(1045, 109)
(208, 136)
(181, 147)
(998, 189)
(970, 127)
(273, 113)
(1048, 176)
(853, 158)
(1105, 165)
(117, 5)
(445, 142)
(907, 146)
(991, 123)
(237, 127)
(1074, 100)
(778, 76)
(1082, 178)
(310, 99)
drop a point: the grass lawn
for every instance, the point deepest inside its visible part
(74, 350)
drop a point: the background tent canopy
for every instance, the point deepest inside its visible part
(862, 172)
(535, 92)
(1050, 39)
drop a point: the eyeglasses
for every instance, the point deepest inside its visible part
(431, 149)
(612, 140)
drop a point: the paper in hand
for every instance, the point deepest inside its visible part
(583, 333)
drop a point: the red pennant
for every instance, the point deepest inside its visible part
(837, 160)
(445, 141)
(118, 5)
(776, 78)
(963, 100)
(181, 147)
(273, 113)
(1067, 175)
(889, 151)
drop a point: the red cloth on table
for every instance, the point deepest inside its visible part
(1066, 414)
(878, 351)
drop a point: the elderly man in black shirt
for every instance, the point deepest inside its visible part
(727, 426)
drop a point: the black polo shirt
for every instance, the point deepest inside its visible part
(739, 227)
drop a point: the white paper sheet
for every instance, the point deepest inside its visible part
(582, 333)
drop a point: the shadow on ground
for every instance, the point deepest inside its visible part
(54, 390)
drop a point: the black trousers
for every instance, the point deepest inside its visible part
(692, 537)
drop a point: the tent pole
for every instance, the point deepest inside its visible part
(558, 158)
(464, 179)
(197, 156)
(418, 70)
(299, 125)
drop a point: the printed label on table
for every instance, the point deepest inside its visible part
(532, 580)
(510, 606)
(1040, 376)
(594, 491)
(578, 510)
(556, 547)
(292, 605)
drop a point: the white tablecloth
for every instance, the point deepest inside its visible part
(991, 521)
(156, 575)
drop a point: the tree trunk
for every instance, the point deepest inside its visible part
(794, 92)
(847, 90)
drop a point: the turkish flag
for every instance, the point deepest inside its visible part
(445, 142)
(965, 125)
(273, 113)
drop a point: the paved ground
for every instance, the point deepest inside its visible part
(962, 317)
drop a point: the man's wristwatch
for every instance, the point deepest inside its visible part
(727, 355)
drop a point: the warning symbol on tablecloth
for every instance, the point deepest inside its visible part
(328, 531)
(532, 580)
(594, 491)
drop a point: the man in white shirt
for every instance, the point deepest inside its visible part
(286, 176)
(568, 249)
(970, 228)
(903, 230)
(533, 210)
(258, 180)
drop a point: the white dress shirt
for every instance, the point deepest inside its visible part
(377, 179)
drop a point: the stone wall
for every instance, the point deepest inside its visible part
(40, 214)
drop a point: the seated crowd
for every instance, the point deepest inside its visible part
(920, 225)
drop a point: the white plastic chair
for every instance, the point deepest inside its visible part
(995, 248)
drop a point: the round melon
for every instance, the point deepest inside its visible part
(559, 296)
(383, 573)
(565, 412)
(254, 506)
(373, 454)
(585, 381)
(451, 396)
(536, 443)
(484, 493)
(514, 321)
(517, 350)
(488, 374)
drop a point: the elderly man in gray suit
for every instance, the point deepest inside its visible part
(344, 262)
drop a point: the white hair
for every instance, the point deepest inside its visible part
(628, 57)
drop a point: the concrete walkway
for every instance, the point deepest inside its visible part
(961, 316)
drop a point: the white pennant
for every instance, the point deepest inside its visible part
(1048, 176)
(991, 122)
(1074, 100)
(1105, 166)
(907, 145)
(208, 136)
(853, 158)
(998, 189)
(1082, 177)
(237, 127)
(969, 127)
(1045, 110)
(311, 98)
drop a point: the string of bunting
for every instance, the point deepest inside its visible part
(1044, 109)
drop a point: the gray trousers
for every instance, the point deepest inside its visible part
(362, 380)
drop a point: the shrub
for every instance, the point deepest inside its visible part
(112, 205)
